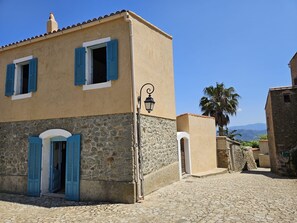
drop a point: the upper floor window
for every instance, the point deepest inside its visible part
(287, 98)
(21, 78)
(96, 63)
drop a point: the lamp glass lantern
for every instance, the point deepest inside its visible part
(149, 103)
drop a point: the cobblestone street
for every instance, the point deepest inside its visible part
(257, 196)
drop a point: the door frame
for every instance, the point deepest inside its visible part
(187, 149)
(46, 137)
(52, 141)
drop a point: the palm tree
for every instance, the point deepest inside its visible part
(231, 134)
(219, 102)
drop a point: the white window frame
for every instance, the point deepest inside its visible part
(17, 76)
(94, 44)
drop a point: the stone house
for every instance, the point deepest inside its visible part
(68, 102)
(281, 110)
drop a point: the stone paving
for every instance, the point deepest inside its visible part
(255, 196)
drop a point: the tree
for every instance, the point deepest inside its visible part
(231, 134)
(219, 102)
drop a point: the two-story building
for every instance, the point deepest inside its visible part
(68, 105)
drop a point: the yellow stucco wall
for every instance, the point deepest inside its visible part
(56, 95)
(153, 57)
(202, 139)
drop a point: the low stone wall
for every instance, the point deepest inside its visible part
(231, 156)
(264, 160)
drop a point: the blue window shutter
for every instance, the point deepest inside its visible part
(34, 166)
(73, 168)
(112, 60)
(9, 84)
(80, 66)
(33, 74)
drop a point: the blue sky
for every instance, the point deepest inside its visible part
(246, 44)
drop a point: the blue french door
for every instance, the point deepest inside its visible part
(72, 168)
(34, 166)
(55, 166)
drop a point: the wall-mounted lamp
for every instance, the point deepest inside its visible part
(149, 106)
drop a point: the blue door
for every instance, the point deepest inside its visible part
(55, 166)
(72, 168)
(34, 166)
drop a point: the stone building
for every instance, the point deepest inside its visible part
(281, 110)
(68, 102)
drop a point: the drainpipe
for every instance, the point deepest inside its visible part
(135, 144)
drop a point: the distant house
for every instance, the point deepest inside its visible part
(281, 110)
(68, 101)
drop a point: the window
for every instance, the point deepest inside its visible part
(295, 81)
(96, 63)
(287, 98)
(21, 78)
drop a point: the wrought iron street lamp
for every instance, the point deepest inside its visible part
(149, 101)
(149, 106)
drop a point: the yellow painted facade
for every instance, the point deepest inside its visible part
(153, 63)
(202, 133)
(58, 97)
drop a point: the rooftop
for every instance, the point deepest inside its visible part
(200, 116)
(80, 25)
(283, 88)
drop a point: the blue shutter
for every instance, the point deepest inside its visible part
(9, 84)
(80, 66)
(33, 75)
(112, 60)
(34, 166)
(72, 168)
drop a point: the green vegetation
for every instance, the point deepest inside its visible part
(219, 102)
(231, 134)
(254, 143)
(263, 137)
(294, 159)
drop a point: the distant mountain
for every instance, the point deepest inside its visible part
(250, 132)
(256, 126)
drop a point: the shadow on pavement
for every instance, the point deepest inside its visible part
(266, 173)
(46, 202)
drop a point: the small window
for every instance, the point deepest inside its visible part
(97, 68)
(21, 78)
(287, 98)
(96, 64)
(295, 81)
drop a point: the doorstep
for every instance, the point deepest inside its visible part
(212, 172)
(57, 195)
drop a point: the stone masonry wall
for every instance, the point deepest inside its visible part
(231, 156)
(285, 130)
(106, 145)
(159, 144)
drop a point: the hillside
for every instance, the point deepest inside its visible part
(250, 132)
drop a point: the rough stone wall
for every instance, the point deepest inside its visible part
(106, 145)
(239, 159)
(159, 144)
(285, 130)
(231, 156)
